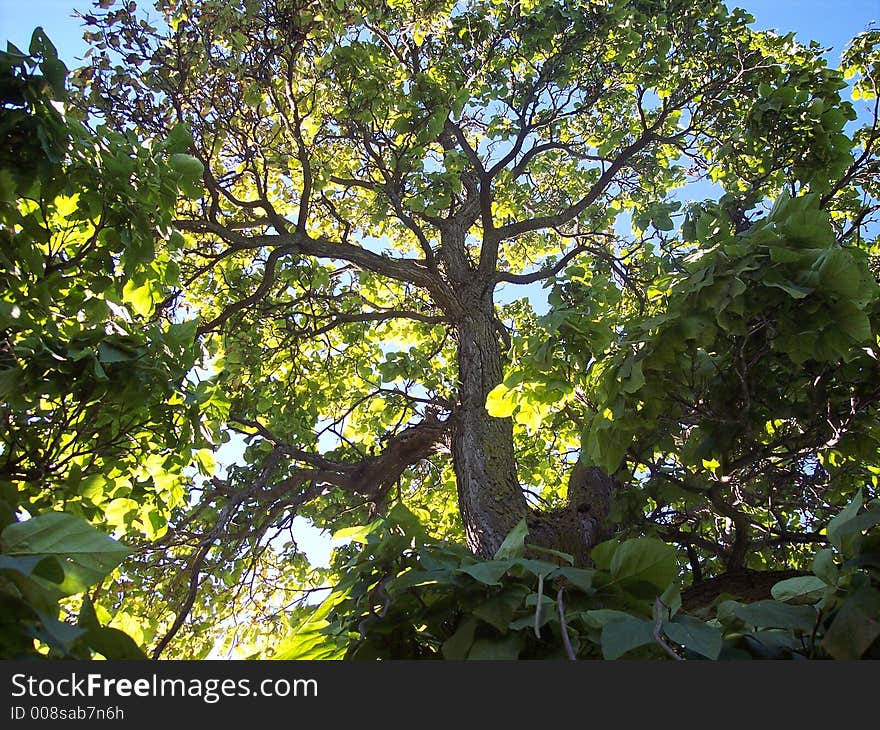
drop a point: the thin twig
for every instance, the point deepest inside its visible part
(658, 622)
(565, 640)
(538, 605)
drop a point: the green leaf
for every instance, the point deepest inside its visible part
(635, 380)
(404, 518)
(42, 566)
(41, 45)
(499, 611)
(86, 554)
(88, 618)
(183, 333)
(113, 644)
(178, 139)
(118, 510)
(606, 444)
(861, 522)
(795, 291)
(10, 383)
(579, 577)
(619, 637)
(833, 529)
(357, 533)
(535, 567)
(825, 567)
(839, 273)
(55, 73)
(670, 599)
(206, 461)
(514, 544)
(772, 614)
(140, 298)
(499, 402)
(694, 635)
(602, 553)
(801, 589)
(108, 353)
(93, 487)
(499, 649)
(852, 320)
(489, 572)
(59, 635)
(567, 557)
(311, 639)
(188, 167)
(782, 254)
(600, 617)
(644, 559)
(856, 625)
(458, 645)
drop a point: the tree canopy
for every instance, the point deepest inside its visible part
(280, 260)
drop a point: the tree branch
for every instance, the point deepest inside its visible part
(408, 270)
(541, 273)
(518, 228)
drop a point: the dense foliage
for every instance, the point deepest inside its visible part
(278, 261)
(94, 423)
(406, 596)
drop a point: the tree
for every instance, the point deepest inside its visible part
(374, 174)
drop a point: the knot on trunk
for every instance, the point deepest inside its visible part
(582, 522)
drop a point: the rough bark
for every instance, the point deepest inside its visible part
(489, 495)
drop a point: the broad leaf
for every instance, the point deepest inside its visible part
(825, 567)
(856, 626)
(46, 567)
(835, 525)
(619, 637)
(85, 554)
(497, 649)
(772, 614)
(801, 589)
(458, 645)
(694, 635)
(489, 572)
(514, 544)
(644, 559)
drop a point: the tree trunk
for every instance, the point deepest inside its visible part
(489, 494)
(490, 497)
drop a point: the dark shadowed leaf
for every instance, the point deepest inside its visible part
(801, 589)
(507, 648)
(694, 635)
(772, 614)
(458, 645)
(856, 626)
(619, 637)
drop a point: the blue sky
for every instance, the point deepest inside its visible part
(831, 22)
